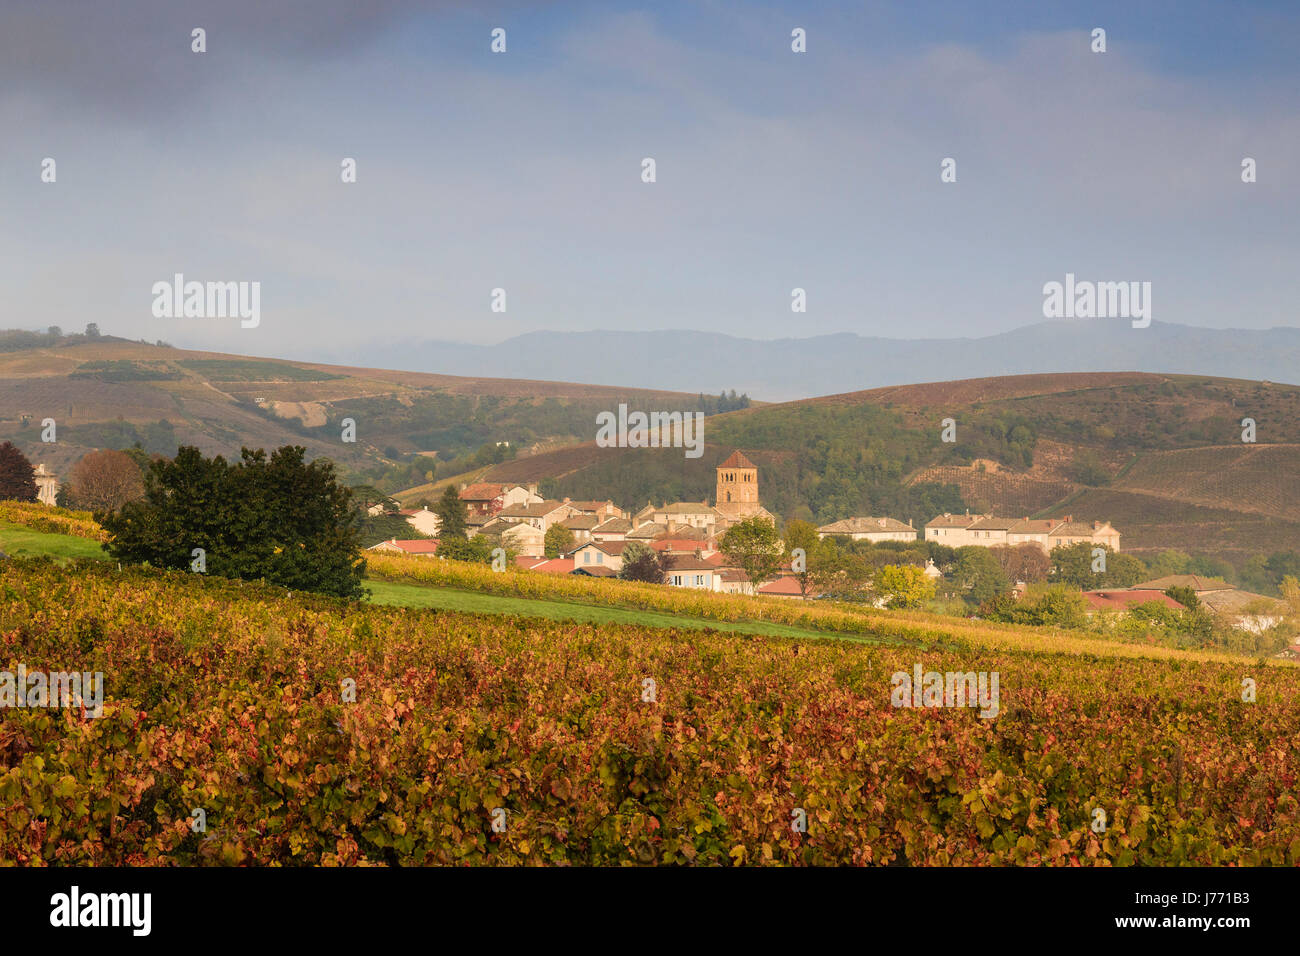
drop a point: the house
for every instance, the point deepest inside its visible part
(989, 531)
(950, 529)
(600, 510)
(869, 529)
(647, 532)
(685, 571)
(1122, 599)
(694, 514)
(1195, 582)
(785, 586)
(524, 538)
(1246, 610)
(539, 514)
(47, 486)
(604, 554)
(731, 581)
(421, 519)
(615, 529)
(424, 547)
(483, 499)
(581, 525)
(492, 528)
(595, 571)
(1079, 532)
(554, 566)
(487, 499)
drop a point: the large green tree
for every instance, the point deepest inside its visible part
(453, 516)
(278, 518)
(754, 546)
(557, 541)
(1077, 565)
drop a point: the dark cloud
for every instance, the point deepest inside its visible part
(134, 57)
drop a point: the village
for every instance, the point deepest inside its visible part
(687, 535)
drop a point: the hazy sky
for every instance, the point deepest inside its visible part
(522, 170)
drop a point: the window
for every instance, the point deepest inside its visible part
(600, 557)
(586, 557)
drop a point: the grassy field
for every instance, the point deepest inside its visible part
(19, 542)
(475, 602)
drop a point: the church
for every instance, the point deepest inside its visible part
(738, 489)
(736, 500)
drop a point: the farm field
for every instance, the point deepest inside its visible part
(234, 698)
(21, 542)
(475, 602)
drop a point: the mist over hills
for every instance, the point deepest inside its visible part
(792, 368)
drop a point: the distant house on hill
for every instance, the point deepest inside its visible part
(488, 499)
(990, 531)
(417, 546)
(869, 529)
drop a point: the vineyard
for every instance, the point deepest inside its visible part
(479, 740)
(914, 627)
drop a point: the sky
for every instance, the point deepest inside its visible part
(522, 170)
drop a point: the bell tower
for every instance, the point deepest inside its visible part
(737, 487)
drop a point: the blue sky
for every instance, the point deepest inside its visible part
(522, 170)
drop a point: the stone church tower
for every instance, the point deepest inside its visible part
(738, 488)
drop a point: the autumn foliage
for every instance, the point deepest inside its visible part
(227, 696)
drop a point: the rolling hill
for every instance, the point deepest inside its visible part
(113, 393)
(1161, 456)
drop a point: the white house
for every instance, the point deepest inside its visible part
(422, 520)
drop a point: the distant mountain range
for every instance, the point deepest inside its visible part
(786, 369)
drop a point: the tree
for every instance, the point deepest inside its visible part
(558, 540)
(453, 516)
(979, 573)
(1074, 564)
(802, 536)
(903, 585)
(642, 563)
(1023, 562)
(836, 572)
(1184, 595)
(92, 330)
(754, 546)
(17, 476)
(278, 519)
(105, 481)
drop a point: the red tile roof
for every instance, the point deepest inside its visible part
(780, 586)
(737, 460)
(409, 545)
(482, 491)
(1122, 599)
